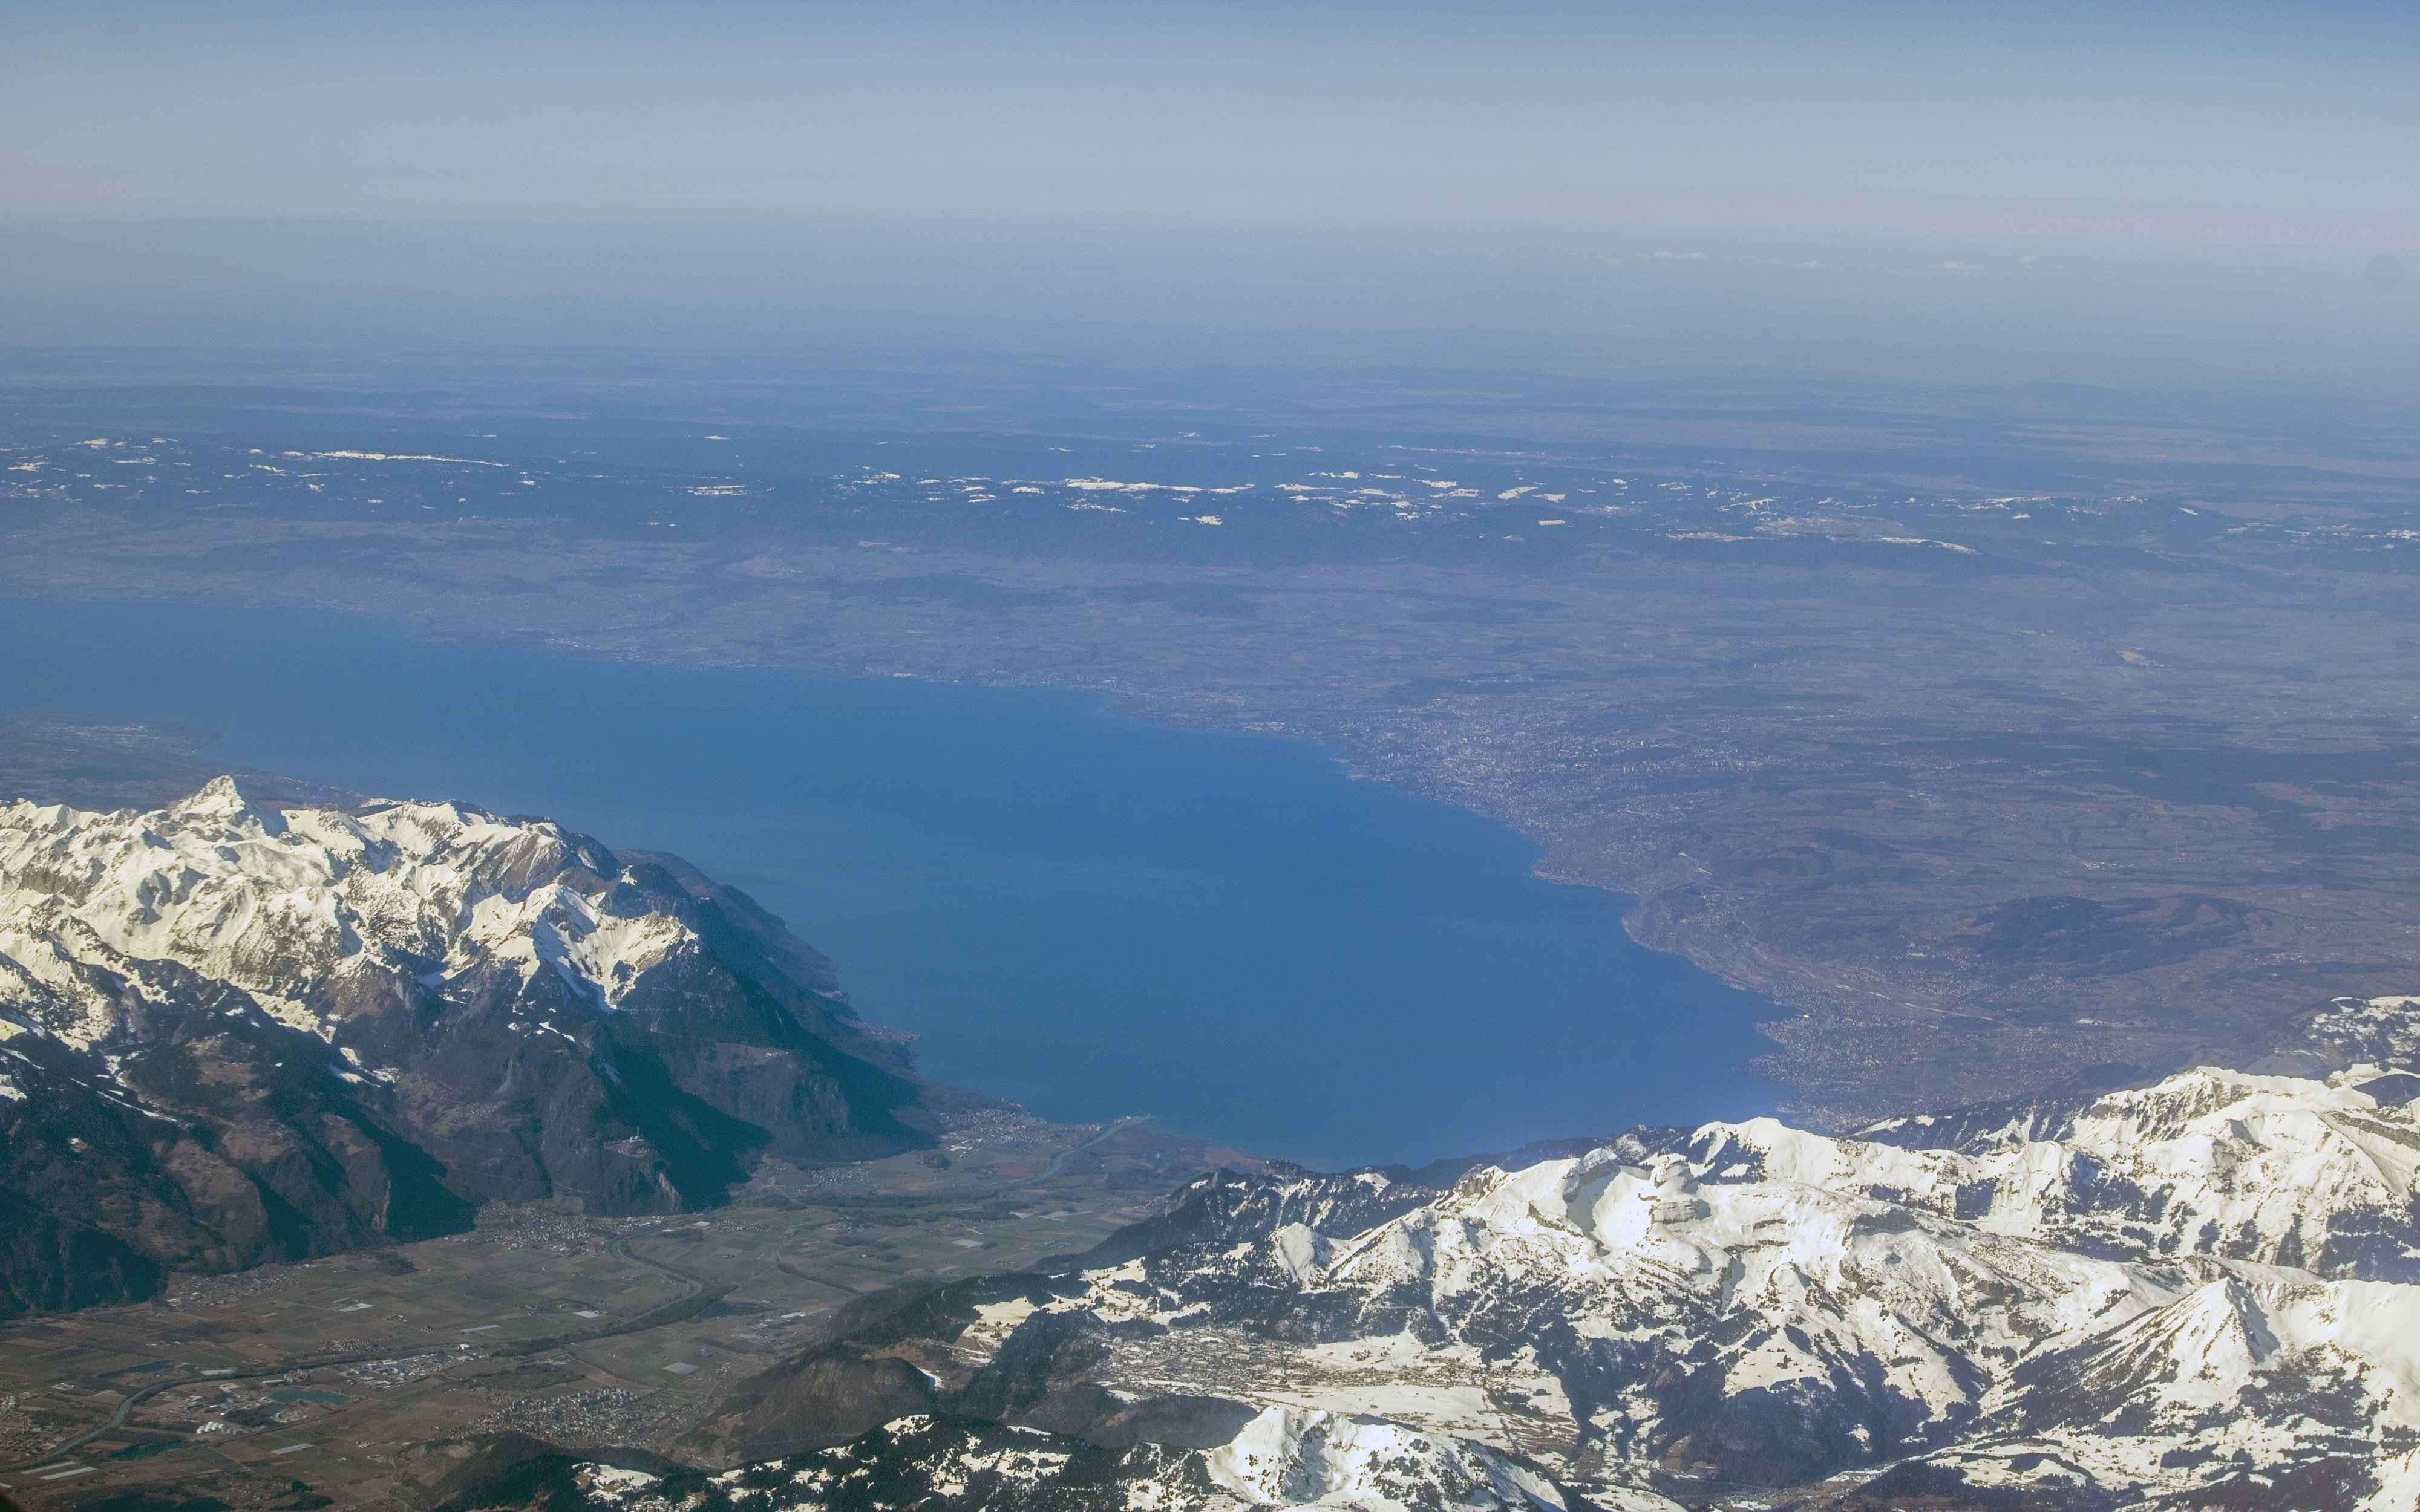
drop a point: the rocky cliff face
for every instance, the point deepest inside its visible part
(2196, 1294)
(232, 1033)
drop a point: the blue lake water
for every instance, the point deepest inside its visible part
(1092, 915)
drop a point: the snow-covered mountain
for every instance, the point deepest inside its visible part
(2287, 1171)
(2196, 1294)
(230, 1032)
(1279, 1457)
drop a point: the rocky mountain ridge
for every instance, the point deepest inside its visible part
(233, 1032)
(2204, 1292)
(1279, 1457)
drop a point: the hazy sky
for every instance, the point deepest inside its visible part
(1418, 163)
(2210, 120)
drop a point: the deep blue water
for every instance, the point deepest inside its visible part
(1095, 916)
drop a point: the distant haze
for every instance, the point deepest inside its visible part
(2030, 192)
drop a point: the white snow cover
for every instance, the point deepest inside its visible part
(2126, 1292)
(1290, 1457)
(2258, 1369)
(286, 904)
(2255, 1168)
(1657, 1250)
(1285, 1457)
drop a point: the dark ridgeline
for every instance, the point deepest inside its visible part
(201, 1133)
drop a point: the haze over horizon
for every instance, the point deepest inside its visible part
(1952, 193)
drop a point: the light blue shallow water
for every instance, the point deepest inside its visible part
(1095, 916)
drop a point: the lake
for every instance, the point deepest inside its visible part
(1092, 915)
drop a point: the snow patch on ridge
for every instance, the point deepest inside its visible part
(288, 905)
(2137, 1294)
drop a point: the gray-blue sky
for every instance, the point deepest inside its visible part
(2075, 184)
(2227, 122)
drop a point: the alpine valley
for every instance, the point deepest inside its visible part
(244, 1034)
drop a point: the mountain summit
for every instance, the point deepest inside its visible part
(2202, 1292)
(232, 1033)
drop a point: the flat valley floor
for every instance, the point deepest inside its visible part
(358, 1377)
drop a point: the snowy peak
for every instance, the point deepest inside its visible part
(1294, 1457)
(219, 801)
(2286, 1171)
(2253, 1389)
(1281, 1458)
(2129, 1299)
(290, 905)
(460, 1008)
